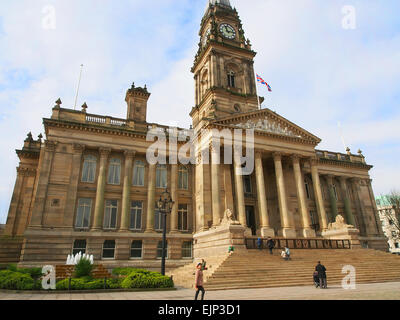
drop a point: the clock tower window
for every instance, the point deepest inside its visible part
(231, 79)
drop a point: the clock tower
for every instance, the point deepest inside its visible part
(223, 67)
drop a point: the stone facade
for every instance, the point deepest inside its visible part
(88, 185)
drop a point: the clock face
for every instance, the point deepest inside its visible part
(227, 31)
(205, 37)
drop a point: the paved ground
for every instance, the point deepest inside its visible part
(376, 291)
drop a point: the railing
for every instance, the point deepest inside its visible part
(105, 120)
(251, 243)
(96, 119)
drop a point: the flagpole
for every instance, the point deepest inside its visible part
(79, 83)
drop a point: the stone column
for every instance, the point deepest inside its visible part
(215, 177)
(376, 214)
(70, 203)
(266, 230)
(151, 198)
(101, 182)
(126, 194)
(359, 206)
(288, 230)
(15, 200)
(346, 200)
(332, 198)
(46, 165)
(174, 195)
(241, 209)
(213, 69)
(318, 195)
(308, 232)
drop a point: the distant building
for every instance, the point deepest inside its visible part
(390, 220)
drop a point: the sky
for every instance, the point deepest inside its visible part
(326, 65)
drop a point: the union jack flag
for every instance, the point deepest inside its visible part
(259, 79)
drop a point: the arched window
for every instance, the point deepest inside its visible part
(114, 171)
(138, 173)
(231, 79)
(89, 169)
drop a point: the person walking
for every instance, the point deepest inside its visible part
(199, 282)
(321, 275)
(270, 244)
(259, 243)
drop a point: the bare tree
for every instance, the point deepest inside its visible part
(393, 216)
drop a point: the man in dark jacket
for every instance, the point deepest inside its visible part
(270, 244)
(321, 275)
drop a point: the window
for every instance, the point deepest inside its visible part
(159, 250)
(83, 214)
(307, 186)
(231, 79)
(114, 171)
(109, 249)
(161, 176)
(397, 245)
(247, 184)
(183, 178)
(136, 249)
(136, 215)
(183, 217)
(187, 249)
(89, 169)
(110, 216)
(79, 246)
(157, 220)
(138, 173)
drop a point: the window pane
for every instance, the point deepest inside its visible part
(89, 169)
(182, 217)
(136, 215)
(83, 213)
(108, 249)
(136, 249)
(157, 220)
(187, 249)
(161, 176)
(183, 178)
(79, 246)
(138, 173)
(114, 171)
(110, 214)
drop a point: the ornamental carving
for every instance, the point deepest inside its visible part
(270, 126)
(229, 218)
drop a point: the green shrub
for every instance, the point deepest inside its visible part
(35, 273)
(146, 280)
(76, 284)
(128, 271)
(83, 268)
(15, 280)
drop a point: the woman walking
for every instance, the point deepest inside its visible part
(199, 282)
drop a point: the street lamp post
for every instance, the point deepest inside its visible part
(165, 205)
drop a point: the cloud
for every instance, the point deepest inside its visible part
(320, 73)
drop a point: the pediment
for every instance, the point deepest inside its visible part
(266, 121)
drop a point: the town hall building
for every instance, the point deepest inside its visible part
(88, 186)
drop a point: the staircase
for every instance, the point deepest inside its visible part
(184, 276)
(258, 269)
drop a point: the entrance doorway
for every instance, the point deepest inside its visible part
(251, 219)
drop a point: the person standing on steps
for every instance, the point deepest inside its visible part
(270, 244)
(259, 243)
(199, 282)
(321, 275)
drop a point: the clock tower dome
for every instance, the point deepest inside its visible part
(223, 67)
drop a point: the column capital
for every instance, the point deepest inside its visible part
(295, 158)
(313, 161)
(129, 154)
(78, 148)
(277, 156)
(104, 152)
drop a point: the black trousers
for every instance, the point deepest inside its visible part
(200, 288)
(270, 250)
(322, 283)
